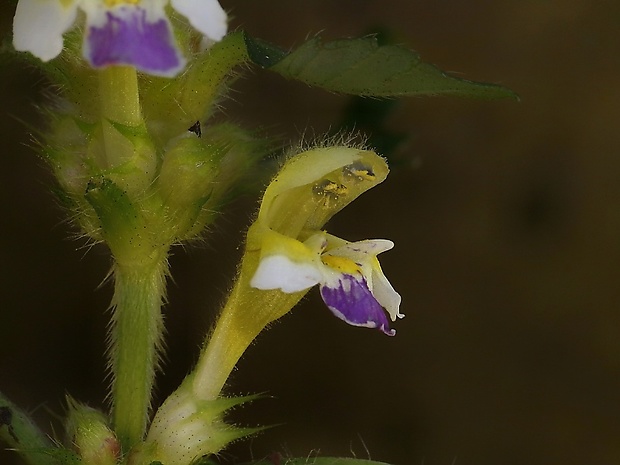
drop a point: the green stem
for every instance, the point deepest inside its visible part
(20, 433)
(136, 338)
(119, 97)
(120, 103)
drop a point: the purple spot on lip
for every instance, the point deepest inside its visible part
(127, 38)
(353, 302)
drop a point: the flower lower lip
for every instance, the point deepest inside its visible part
(126, 37)
(352, 301)
(134, 33)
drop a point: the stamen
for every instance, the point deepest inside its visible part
(329, 188)
(358, 171)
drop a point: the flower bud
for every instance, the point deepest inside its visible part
(185, 181)
(90, 435)
(186, 428)
(135, 170)
(200, 172)
(120, 221)
(65, 152)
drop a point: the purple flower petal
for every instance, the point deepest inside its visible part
(126, 37)
(353, 302)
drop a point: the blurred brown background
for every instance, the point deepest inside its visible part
(506, 218)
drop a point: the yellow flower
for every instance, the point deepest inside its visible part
(295, 254)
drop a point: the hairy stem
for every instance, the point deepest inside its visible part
(135, 341)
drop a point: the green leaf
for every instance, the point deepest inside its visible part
(317, 461)
(363, 67)
(18, 432)
(62, 456)
(263, 53)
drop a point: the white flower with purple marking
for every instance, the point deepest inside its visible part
(350, 278)
(117, 32)
(287, 249)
